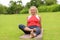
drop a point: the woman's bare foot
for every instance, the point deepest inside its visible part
(34, 29)
(32, 34)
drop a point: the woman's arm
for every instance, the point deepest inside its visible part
(40, 21)
(27, 21)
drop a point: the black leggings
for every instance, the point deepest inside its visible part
(38, 31)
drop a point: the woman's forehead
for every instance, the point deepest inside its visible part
(33, 9)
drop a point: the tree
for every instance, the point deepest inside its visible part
(14, 7)
(50, 2)
(19, 6)
(34, 3)
(3, 9)
(19, 2)
(28, 5)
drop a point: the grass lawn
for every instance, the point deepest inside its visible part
(9, 26)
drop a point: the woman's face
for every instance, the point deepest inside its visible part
(33, 11)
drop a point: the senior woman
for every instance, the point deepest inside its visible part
(33, 23)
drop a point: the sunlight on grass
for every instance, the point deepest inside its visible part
(9, 26)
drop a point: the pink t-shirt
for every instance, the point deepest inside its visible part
(33, 21)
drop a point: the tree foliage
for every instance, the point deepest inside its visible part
(15, 7)
(3, 9)
(40, 2)
(50, 2)
(34, 3)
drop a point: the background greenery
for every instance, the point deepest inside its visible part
(16, 14)
(16, 7)
(9, 26)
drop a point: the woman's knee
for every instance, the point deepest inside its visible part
(38, 31)
(21, 26)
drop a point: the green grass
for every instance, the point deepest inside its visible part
(9, 26)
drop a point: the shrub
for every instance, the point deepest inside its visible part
(24, 11)
(42, 8)
(52, 8)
